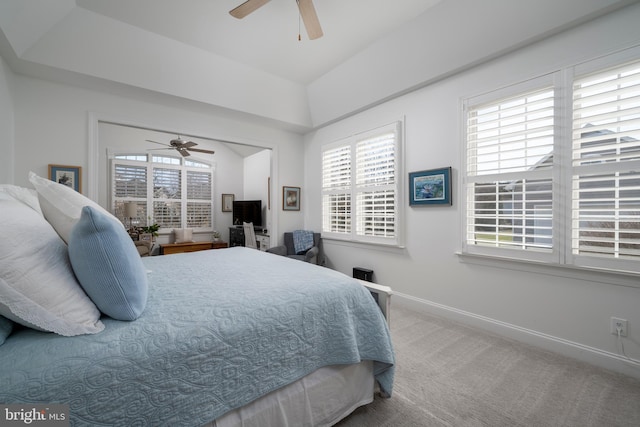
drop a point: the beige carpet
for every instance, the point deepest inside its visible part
(449, 374)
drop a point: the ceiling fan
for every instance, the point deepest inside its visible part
(307, 11)
(183, 147)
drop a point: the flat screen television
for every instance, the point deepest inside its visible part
(247, 211)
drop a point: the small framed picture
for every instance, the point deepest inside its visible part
(146, 237)
(227, 202)
(290, 198)
(430, 187)
(71, 176)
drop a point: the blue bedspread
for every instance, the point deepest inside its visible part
(221, 328)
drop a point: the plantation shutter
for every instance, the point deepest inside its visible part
(375, 186)
(606, 164)
(336, 187)
(167, 194)
(509, 179)
(360, 189)
(129, 184)
(199, 191)
(171, 191)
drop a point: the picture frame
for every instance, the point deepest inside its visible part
(290, 198)
(71, 176)
(269, 193)
(430, 187)
(227, 202)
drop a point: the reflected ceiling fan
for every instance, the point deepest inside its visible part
(183, 147)
(307, 11)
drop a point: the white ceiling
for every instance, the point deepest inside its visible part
(194, 50)
(268, 38)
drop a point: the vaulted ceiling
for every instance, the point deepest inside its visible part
(193, 49)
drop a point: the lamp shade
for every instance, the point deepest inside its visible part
(130, 209)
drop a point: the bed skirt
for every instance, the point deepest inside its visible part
(322, 398)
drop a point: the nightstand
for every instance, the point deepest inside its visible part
(176, 248)
(219, 245)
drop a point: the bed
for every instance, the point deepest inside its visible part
(226, 337)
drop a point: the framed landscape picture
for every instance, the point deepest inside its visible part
(67, 175)
(430, 187)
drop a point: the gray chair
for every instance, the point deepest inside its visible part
(312, 255)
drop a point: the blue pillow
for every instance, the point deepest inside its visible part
(108, 265)
(6, 326)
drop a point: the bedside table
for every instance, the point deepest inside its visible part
(219, 245)
(176, 248)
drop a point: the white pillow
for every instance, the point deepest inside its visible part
(24, 195)
(183, 235)
(37, 286)
(62, 205)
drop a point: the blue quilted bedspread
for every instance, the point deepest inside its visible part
(221, 328)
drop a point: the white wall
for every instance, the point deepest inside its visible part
(6, 123)
(544, 307)
(257, 171)
(53, 124)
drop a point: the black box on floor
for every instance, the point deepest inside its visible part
(363, 274)
(366, 275)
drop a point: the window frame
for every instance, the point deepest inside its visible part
(562, 255)
(149, 165)
(353, 189)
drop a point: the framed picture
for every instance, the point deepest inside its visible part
(71, 176)
(430, 187)
(290, 198)
(227, 202)
(146, 237)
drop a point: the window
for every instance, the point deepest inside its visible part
(536, 193)
(510, 146)
(173, 192)
(361, 187)
(606, 165)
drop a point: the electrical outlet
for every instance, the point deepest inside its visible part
(619, 323)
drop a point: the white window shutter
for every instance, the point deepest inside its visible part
(509, 177)
(606, 164)
(360, 188)
(336, 187)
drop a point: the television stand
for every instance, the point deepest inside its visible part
(236, 237)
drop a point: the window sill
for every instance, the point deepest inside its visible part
(363, 245)
(606, 276)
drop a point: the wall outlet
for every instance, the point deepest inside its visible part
(619, 323)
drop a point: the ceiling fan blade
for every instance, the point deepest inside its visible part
(155, 142)
(188, 144)
(183, 151)
(310, 19)
(200, 150)
(247, 7)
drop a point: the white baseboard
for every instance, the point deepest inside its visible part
(584, 353)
